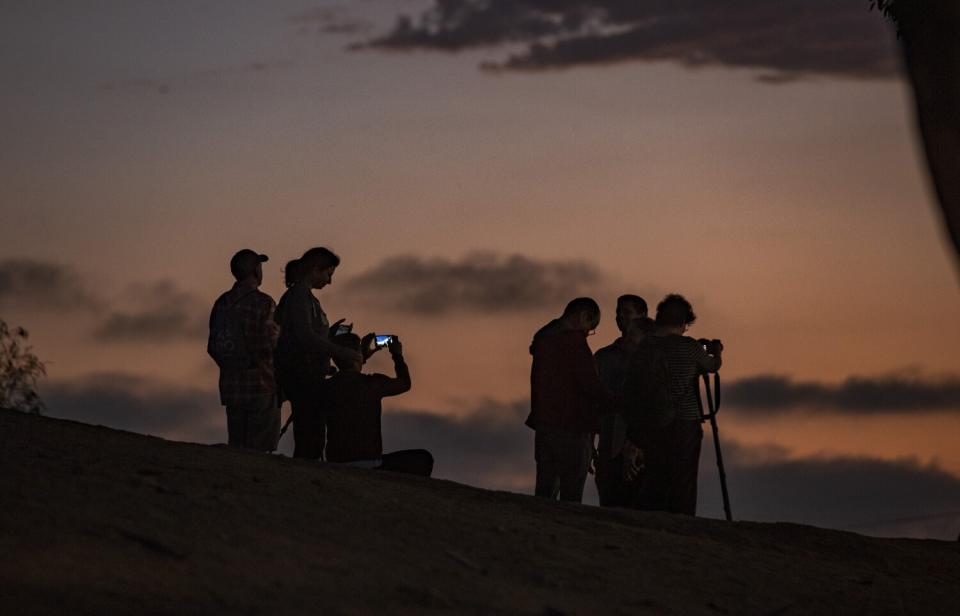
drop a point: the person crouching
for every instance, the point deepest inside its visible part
(354, 433)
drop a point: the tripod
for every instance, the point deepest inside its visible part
(713, 403)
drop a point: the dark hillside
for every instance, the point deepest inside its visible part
(98, 521)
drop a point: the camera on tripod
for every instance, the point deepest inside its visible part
(712, 347)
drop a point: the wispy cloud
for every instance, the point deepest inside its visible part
(784, 39)
(329, 20)
(478, 283)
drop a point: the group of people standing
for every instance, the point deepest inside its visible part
(268, 353)
(640, 395)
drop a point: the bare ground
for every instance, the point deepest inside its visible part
(97, 521)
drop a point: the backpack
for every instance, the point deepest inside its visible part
(649, 401)
(226, 344)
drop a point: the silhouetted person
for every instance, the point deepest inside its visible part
(612, 364)
(565, 397)
(354, 434)
(662, 409)
(242, 339)
(304, 349)
(613, 488)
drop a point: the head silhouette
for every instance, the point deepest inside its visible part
(246, 265)
(582, 314)
(353, 342)
(675, 311)
(629, 307)
(315, 268)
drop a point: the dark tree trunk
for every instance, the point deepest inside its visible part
(930, 39)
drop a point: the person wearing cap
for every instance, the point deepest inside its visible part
(248, 385)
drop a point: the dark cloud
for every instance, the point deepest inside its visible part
(329, 20)
(490, 447)
(766, 394)
(866, 495)
(483, 283)
(163, 313)
(785, 39)
(43, 286)
(136, 404)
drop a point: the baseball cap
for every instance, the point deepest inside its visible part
(243, 263)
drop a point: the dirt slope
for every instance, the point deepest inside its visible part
(98, 521)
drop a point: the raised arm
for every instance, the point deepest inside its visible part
(401, 382)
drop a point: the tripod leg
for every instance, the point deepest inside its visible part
(716, 446)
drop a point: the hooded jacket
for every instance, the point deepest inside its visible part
(566, 393)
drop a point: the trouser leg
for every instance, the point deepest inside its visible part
(655, 478)
(688, 439)
(548, 480)
(410, 461)
(562, 462)
(575, 462)
(236, 426)
(612, 489)
(263, 424)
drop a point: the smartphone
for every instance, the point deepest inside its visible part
(382, 341)
(343, 329)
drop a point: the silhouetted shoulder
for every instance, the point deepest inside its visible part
(263, 299)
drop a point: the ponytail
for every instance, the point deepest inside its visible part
(293, 273)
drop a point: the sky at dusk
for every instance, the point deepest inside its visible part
(475, 170)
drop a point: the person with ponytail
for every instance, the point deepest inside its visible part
(305, 350)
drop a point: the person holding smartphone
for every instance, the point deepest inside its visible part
(355, 399)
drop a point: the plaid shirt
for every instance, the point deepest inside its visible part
(254, 309)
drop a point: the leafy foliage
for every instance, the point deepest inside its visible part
(19, 371)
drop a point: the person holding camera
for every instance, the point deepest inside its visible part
(242, 339)
(662, 409)
(304, 348)
(354, 434)
(566, 396)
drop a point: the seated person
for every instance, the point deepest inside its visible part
(353, 424)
